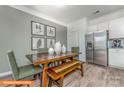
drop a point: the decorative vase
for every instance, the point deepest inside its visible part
(63, 49)
(51, 51)
(57, 47)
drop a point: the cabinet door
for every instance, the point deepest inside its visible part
(103, 26)
(93, 28)
(116, 57)
(116, 28)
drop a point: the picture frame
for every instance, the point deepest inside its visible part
(51, 31)
(51, 42)
(37, 43)
(37, 28)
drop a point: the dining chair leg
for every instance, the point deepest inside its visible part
(40, 79)
(34, 77)
(39, 75)
(50, 82)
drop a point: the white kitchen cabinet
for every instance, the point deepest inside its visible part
(99, 27)
(116, 58)
(103, 26)
(93, 28)
(116, 28)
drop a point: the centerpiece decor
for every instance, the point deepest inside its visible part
(57, 48)
(51, 51)
(63, 49)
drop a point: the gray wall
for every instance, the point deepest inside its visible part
(15, 34)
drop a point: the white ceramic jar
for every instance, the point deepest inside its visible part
(57, 47)
(51, 51)
(63, 49)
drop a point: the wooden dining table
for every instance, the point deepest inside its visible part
(44, 59)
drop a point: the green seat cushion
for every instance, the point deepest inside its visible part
(28, 70)
(75, 49)
(44, 50)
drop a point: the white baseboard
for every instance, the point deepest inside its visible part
(5, 74)
(116, 67)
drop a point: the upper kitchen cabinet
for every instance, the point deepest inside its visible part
(99, 27)
(92, 28)
(103, 26)
(116, 28)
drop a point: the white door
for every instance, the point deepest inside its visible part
(73, 39)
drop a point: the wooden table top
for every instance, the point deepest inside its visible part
(43, 58)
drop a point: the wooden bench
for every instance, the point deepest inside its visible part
(56, 74)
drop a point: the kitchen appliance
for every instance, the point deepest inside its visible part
(89, 47)
(98, 54)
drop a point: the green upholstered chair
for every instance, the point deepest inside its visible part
(21, 72)
(75, 50)
(44, 50)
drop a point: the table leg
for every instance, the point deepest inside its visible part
(44, 76)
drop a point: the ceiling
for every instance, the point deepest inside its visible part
(70, 13)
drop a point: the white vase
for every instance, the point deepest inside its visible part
(57, 47)
(63, 49)
(51, 51)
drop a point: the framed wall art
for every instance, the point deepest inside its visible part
(37, 28)
(51, 31)
(50, 42)
(37, 43)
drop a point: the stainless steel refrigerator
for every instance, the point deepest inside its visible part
(89, 47)
(97, 48)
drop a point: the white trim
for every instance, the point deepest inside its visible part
(38, 14)
(116, 67)
(5, 74)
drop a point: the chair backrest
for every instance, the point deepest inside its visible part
(13, 64)
(75, 49)
(44, 50)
